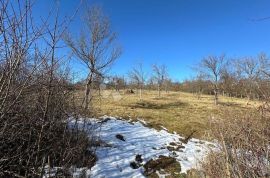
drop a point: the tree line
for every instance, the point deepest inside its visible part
(243, 77)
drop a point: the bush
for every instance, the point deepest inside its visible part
(31, 137)
(244, 148)
(35, 99)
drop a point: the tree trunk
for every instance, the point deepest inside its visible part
(199, 94)
(86, 96)
(158, 90)
(87, 92)
(248, 99)
(216, 97)
(216, 90)
(166, 88)
(140, 93)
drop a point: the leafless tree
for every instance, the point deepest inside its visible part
(151, 83)
(160, 75)
(138, 76)
(200, 85)
(95, 47)
(249, 70)
(264, 75)
(34, 96)
(167, 84)
(117, 82)
(264, 65)
(228, 80)
(212, 67)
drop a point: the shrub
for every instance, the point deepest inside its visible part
(244, 147)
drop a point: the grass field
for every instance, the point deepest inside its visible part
(177, 111)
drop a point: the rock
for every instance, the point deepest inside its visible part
(173, 144)
(137, 163)
(171, 148)
(180, 147)
(120, 137)
(175, 148)
(134, 165)
(105, 120)
(138, 158)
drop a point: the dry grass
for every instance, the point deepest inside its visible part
(177, 111)
(244, 148)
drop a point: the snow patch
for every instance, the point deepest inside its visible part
(115, 161)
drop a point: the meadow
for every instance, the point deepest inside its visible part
(178, 112)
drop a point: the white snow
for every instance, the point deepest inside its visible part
(115, 161)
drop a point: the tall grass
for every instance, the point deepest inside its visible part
(244, 150)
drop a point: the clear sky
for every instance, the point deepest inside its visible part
(178, 33)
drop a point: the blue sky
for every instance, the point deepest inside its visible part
(178, 33)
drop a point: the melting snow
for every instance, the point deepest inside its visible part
(115, 161)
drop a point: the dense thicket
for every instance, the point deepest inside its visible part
(35, 98)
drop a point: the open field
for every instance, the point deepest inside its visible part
(177, 111)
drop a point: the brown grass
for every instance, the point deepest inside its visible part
(177, 111)
(244, 148)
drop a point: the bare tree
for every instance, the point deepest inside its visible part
(228, 80)
(160, 75)
(138, 76)
(264, 65)
(167, 84)
(118, 82)
(212, 67)
(35, 96)
(249, 70)
(151, 83)
(95, 47)
(199, 84)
